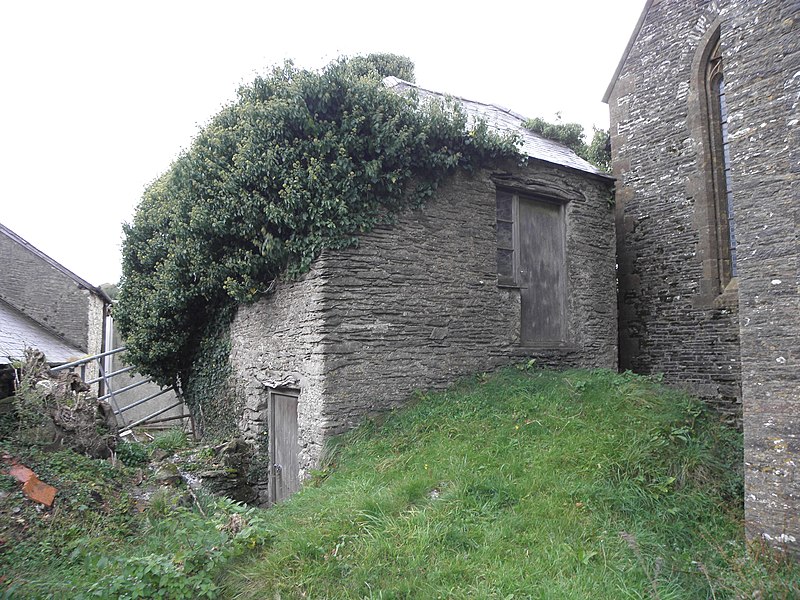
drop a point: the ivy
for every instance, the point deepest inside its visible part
(205, 387)
(301, 161)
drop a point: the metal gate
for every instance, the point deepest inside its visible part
(108, 380)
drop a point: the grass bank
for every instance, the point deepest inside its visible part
(520, 484)
(523, 484)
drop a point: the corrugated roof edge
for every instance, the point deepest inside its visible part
(53, 263)
(585, 167)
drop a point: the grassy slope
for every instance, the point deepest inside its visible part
(523, 484)
(526, 484)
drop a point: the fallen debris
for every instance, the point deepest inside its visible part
(33, 487)
(60, 412)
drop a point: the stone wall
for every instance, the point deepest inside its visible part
(275, 343)
(672, 319)
(416, 306)
(50, 297)
(761, 48)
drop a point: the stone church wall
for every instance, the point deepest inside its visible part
(761, 49)
(672, 319)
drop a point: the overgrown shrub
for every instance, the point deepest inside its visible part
(301, 161)
(133, 454)
(170, 441)
(597, 151)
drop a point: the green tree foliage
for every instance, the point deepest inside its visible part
(597, 152)
(301, 161)
(383, 65)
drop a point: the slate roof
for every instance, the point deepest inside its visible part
(18, 331)
(504, 120)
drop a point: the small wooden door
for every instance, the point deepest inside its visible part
(283, 447)
(542, 267)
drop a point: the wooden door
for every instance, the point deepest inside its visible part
(542, 271)
(284, 468)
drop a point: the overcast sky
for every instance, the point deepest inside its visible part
(98, 98)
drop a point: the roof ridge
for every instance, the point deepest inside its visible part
(398, 81)
(532, 144)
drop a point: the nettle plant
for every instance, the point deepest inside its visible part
(301, 161)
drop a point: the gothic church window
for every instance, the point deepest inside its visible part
(719, 164)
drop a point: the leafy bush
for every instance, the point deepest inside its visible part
(133, 454)
(170, 441)
(302, 161)
(597, 151)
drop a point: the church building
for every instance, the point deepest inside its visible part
(705, 149)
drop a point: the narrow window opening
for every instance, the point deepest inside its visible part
(720, 164)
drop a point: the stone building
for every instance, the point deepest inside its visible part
(704, 130)
(502, 265)
(45, 305)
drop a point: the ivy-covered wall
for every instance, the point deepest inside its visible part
(301, 162)
(206, 386)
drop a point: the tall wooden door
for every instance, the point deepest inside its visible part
(283, 446)
(542, 271)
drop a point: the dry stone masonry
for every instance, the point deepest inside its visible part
(417, 305)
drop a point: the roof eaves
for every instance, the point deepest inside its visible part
(53, 263)
(628, 49)
(602, 175)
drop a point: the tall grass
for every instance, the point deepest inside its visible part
(526, 484)
(522, 484)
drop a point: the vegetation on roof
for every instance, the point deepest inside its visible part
(597, 151)
(301, 161)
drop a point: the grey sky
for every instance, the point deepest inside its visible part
(99, 97)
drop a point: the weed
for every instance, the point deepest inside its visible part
(170, 441)
(133, 454)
